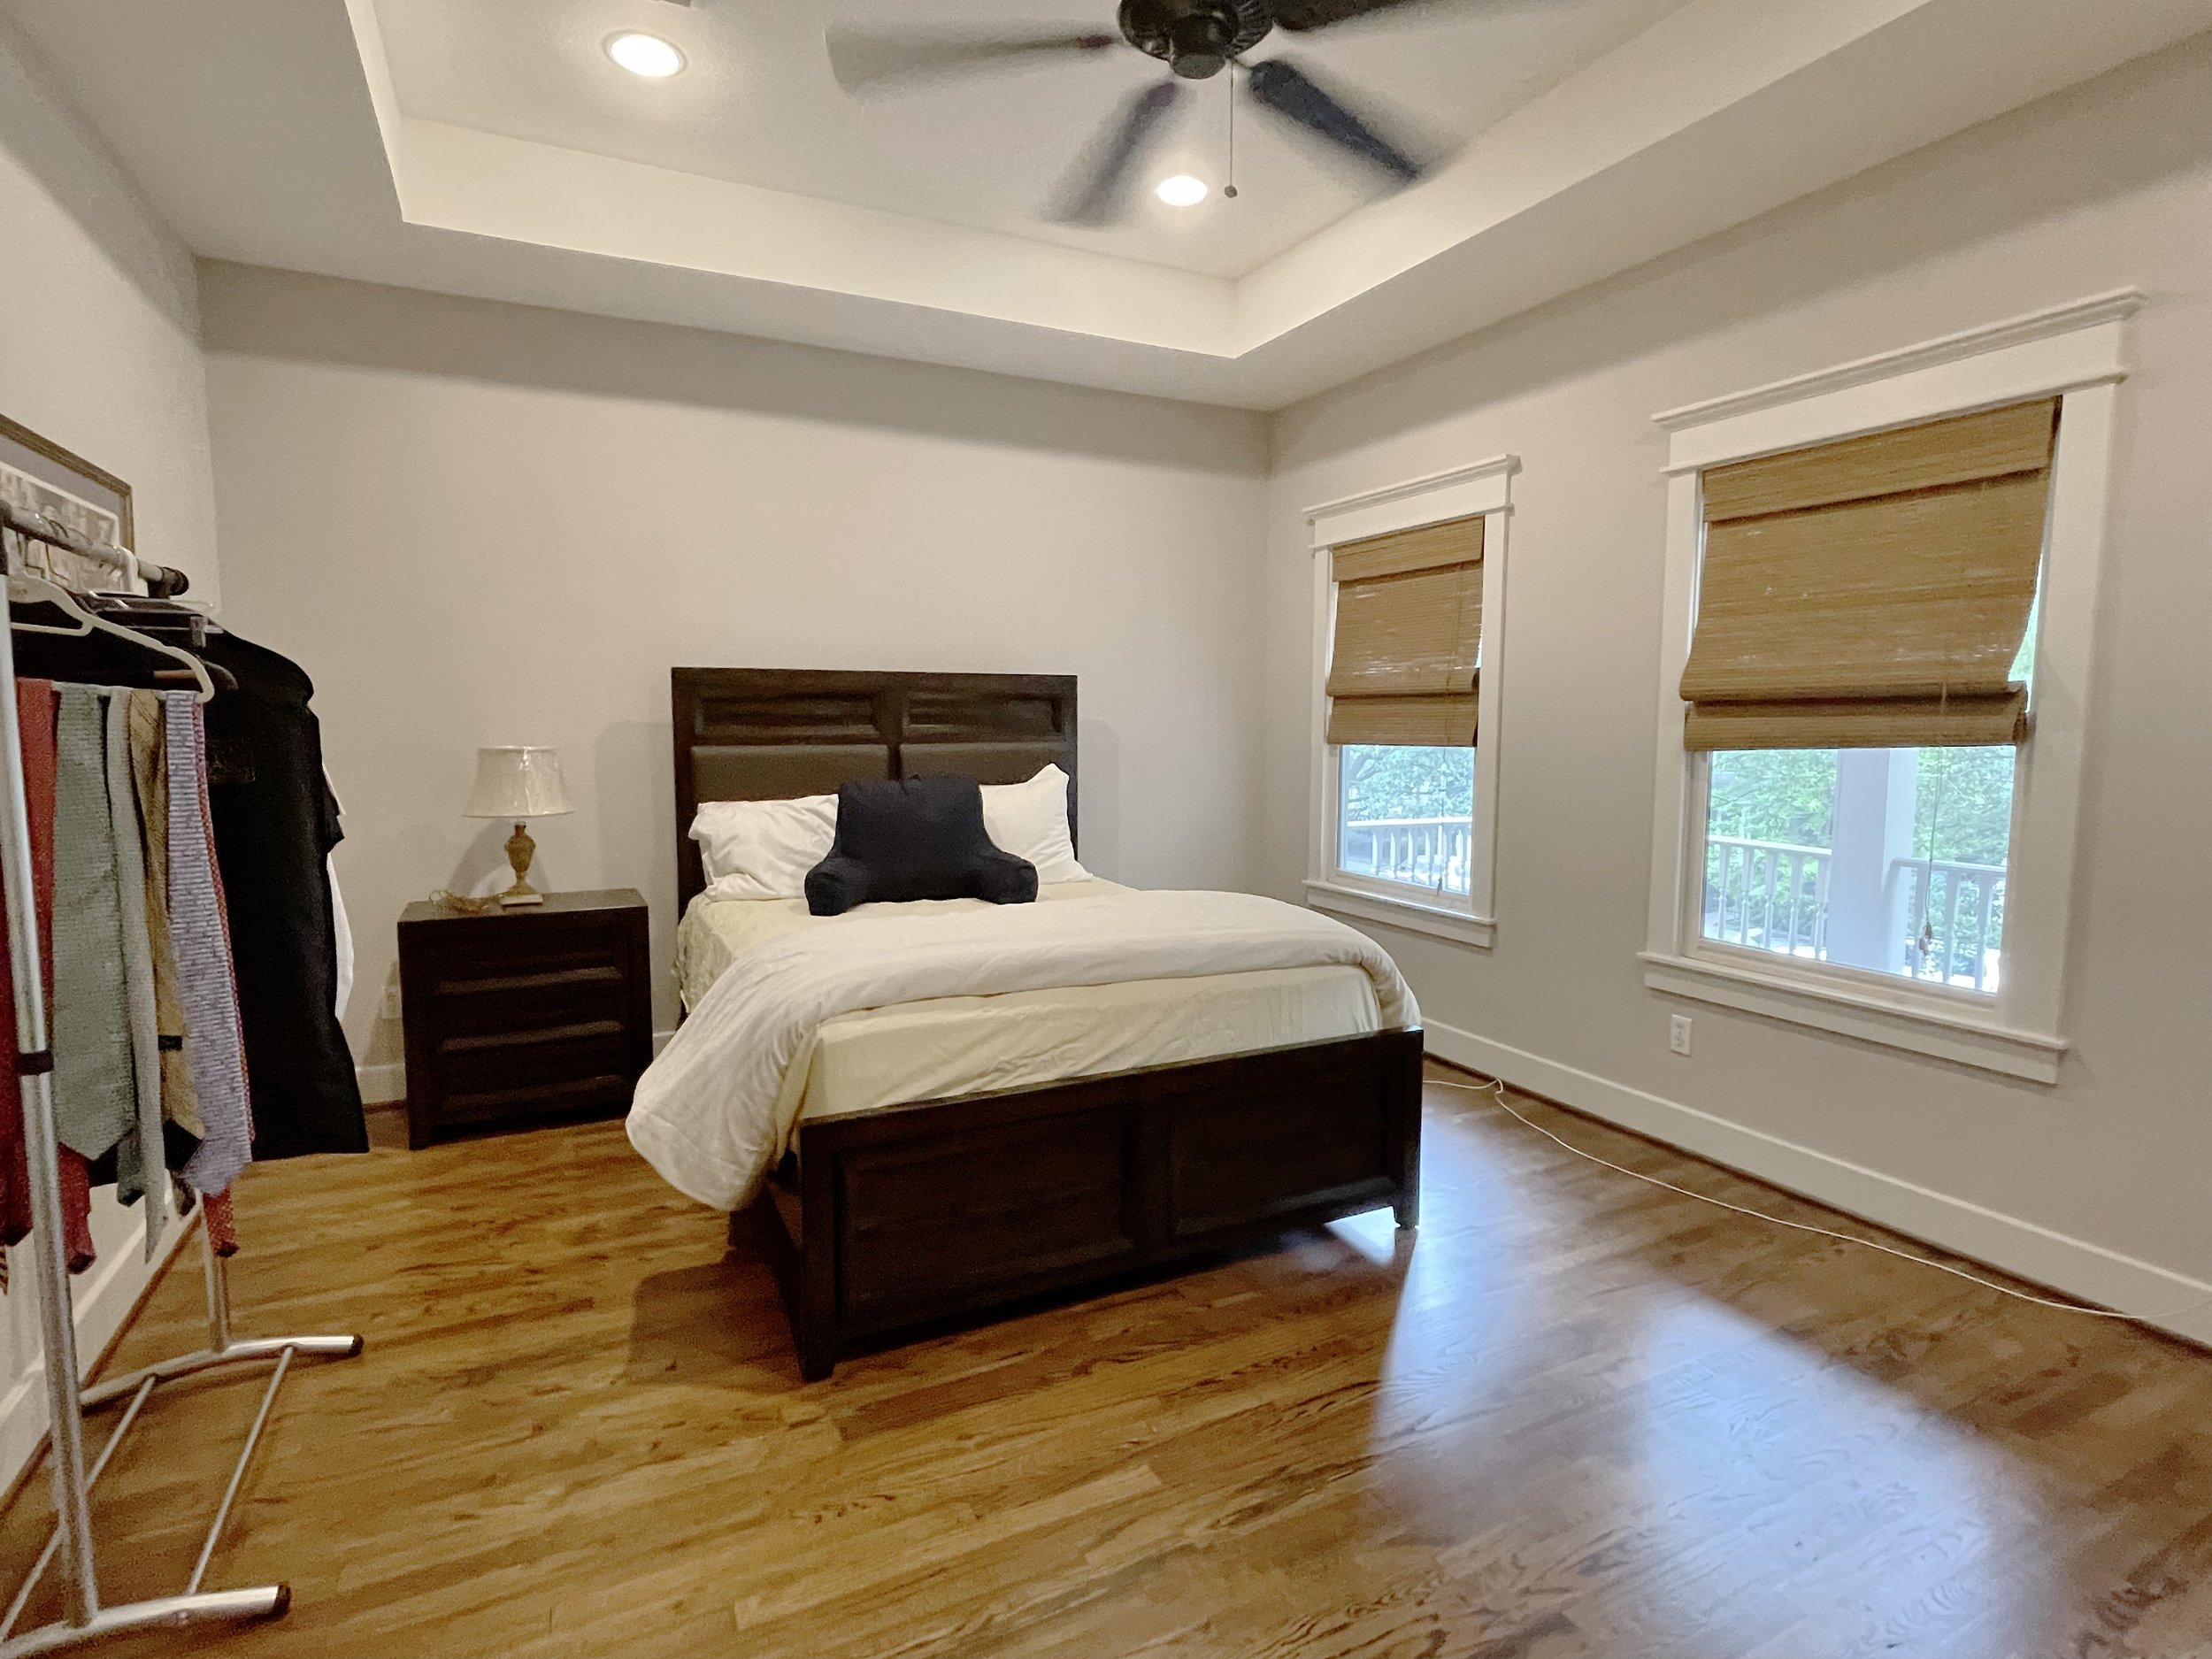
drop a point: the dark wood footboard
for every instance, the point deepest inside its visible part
(940, 1210)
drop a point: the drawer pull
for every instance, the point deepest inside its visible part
(534, 1035)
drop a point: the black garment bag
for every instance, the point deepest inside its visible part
(275, 822)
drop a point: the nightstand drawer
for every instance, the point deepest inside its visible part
(502, 1068)
(512, 1103)
(487, 997)
(524, 1016)
(505, 946)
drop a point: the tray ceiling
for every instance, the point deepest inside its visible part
(487, 147)
(756, 104)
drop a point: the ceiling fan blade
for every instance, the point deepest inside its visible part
(864, 59)
(1300, 15)
(1286, 90)
(1097, 191)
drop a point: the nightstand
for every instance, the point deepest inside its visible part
(525, 1015)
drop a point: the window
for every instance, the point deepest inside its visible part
(1867, 807)
(1851, 592)
(1891, 860)
(1406, 814)
(1409, 651)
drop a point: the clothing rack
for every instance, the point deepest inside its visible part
(85, 1618)
(160, 581)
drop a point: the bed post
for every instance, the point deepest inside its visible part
(1408, 1208)
(814, 1305)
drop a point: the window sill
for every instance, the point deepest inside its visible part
(1894, 1021)
(1432, 919)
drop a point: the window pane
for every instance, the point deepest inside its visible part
(1891, 859)
(1406, 814)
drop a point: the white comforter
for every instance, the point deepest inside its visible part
(706, 1113)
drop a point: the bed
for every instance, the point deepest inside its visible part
(949, 1155)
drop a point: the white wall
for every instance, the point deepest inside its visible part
(99, 352)
(480, 523)
(99, 346)
(2109, 185)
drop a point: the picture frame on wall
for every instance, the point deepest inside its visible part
(40, 479)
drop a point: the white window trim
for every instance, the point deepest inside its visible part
(1485, 488)
(2078, 352)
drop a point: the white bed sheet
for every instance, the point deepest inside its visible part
(960, 1045)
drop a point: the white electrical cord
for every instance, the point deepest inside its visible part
(1497, 1091)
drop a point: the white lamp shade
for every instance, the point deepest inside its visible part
(518, 783)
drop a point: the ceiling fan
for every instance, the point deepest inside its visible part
(1196, 38)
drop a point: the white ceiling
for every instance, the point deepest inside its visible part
(757, 103)
(484, 147)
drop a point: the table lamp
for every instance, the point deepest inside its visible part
(518, 784)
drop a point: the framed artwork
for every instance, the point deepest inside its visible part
(40, 479)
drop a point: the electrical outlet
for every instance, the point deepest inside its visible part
(391, 1002)
(1678, 1032)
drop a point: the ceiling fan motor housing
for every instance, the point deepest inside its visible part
(1196, 38)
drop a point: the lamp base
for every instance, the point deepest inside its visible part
(520, 850)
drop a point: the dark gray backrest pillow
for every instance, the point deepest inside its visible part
(914, 838)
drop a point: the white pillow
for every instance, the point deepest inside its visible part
(1030, 820)
(762, 850)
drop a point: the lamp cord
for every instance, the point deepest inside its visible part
(464, 904)
(1496, 1090)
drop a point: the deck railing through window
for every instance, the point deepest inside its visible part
(1775, 896)
(1958, 921)
(1767, 895)
(1422, 852)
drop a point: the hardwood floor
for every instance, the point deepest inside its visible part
(1579, 1417)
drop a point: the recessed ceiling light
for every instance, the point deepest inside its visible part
(1182, 190)
(646, 55)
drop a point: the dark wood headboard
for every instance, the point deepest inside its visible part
(771, 734)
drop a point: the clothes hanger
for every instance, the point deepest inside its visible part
(148, 613)
(26, 589)
(159, 603)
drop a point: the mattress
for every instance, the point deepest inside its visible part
(961, 1045)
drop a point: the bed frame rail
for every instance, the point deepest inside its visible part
(927, 1214)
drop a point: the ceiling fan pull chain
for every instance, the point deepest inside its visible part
(1229, 187)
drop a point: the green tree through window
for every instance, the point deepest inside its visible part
(1406, 815)
(1407, 783)
(1927, 902)
(1776, 794)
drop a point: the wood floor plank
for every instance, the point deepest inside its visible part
(1577, 1417)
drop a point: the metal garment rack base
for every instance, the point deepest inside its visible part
(88, 1620)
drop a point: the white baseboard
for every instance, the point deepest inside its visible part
(2172, 1301)
(382, 1085)
(104, 1300)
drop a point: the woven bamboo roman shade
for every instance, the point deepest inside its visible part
(1409, 629)
(1873, 592)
